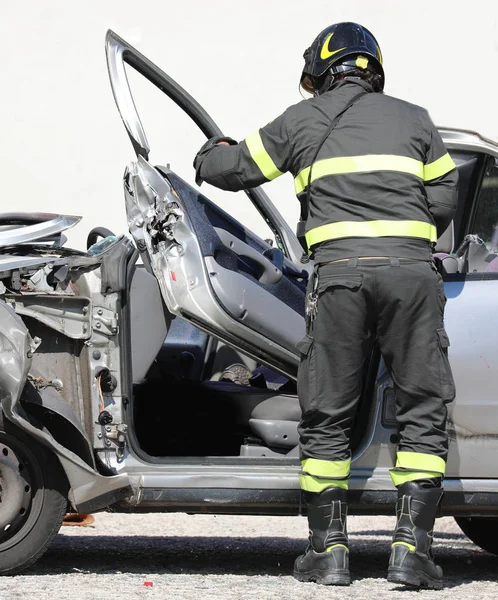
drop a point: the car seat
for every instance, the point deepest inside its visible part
(443, 251)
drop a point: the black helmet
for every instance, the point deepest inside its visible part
(339, 48)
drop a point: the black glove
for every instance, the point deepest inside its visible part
(204, 151)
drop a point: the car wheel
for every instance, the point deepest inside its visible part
(33, 499)
(483, 531)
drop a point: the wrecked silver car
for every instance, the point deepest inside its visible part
(156, 371)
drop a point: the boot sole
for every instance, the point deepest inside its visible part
(340, 578)
(413, 578)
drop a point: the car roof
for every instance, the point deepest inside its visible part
(465, 139)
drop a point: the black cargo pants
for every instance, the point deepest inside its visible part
(400, 303)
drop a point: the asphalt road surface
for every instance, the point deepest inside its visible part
(207, 557)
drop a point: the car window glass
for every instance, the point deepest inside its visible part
(486, 216)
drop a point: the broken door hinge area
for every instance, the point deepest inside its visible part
(69, 315)
(105, 320)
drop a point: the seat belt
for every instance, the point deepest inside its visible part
(300, 229)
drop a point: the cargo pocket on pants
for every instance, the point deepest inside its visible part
(448, 390)
(328, 281)
(306, 374)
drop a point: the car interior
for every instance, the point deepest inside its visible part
(477, 244)
(223, 403)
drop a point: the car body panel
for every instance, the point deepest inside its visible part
(37, 226)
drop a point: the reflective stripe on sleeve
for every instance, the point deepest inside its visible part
(261, 156)
(439, 167)
(359, 164)
(332, 231)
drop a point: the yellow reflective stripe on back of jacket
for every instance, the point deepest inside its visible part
(261, 157)
(374, 162)
(439, 167)
(342, 229)
(359, 164)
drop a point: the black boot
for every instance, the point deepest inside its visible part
(326, 559)
(411, 561)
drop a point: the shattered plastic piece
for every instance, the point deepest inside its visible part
(100, 246)
(148, 583)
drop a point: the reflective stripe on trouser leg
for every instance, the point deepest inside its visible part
(318, 475)
(412, 466)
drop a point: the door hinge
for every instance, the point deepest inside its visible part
(105, 320)
(117, 435)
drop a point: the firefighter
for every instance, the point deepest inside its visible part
(376, 187)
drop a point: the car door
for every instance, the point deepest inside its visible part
(212, 270)
(471, 317)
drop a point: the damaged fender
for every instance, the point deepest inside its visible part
(89, 490)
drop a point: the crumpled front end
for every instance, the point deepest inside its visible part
(16, 348)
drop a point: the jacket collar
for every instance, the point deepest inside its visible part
(353, 83)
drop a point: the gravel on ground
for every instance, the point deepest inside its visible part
(220, 557)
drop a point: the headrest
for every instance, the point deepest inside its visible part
(445, 241)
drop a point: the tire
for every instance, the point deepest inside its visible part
(33, 499)
(483, 531)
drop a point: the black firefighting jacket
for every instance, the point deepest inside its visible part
(382, 183)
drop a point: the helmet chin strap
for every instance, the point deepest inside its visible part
(328, 82)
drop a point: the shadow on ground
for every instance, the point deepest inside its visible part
(250, 556)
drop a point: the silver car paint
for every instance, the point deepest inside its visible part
(49, 226)
(189, 291)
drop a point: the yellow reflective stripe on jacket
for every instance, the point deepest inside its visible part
(342, 229)
(358, 164)
(418, 461)
(326, 468)
(374, 162)
(439, 167)
(261, 157)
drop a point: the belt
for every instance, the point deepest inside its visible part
(354, 260)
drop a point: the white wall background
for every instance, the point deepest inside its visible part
(64, 149)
